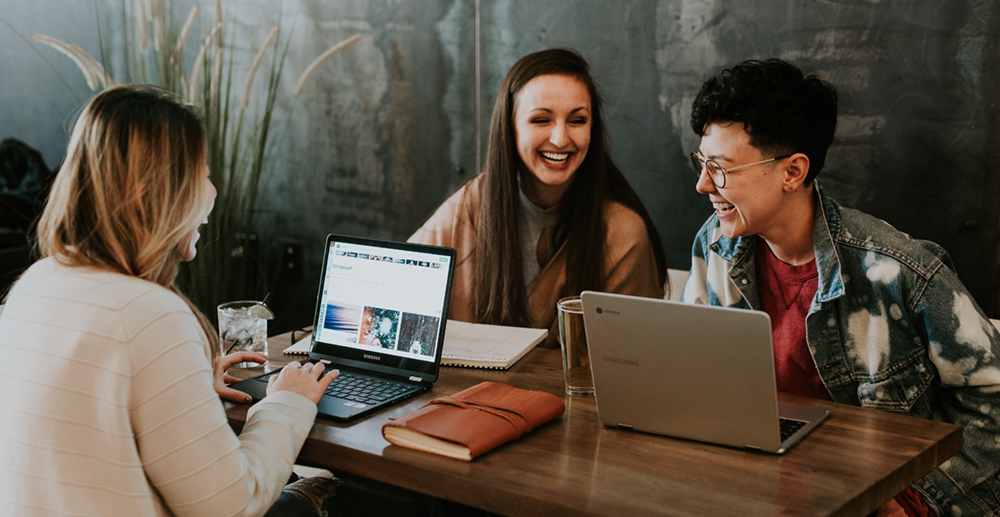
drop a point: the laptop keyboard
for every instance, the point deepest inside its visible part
(366, 390)
(789, 427)
(362, 389)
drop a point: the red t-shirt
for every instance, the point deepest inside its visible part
(785, 294)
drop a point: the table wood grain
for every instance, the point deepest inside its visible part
(574, 465)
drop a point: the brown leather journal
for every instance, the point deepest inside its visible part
(474, 421)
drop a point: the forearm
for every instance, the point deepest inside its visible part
(965, 350)
(189, 453)
(980, 454)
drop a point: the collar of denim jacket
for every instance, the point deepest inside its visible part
(826, 228)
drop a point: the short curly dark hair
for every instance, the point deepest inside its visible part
(783, 110)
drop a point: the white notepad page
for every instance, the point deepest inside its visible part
(487, 346)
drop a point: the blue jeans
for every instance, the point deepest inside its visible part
(307, 497)
(358, 496)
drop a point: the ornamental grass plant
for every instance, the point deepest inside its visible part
(237, 113)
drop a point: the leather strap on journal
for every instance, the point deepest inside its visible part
(517, 421)
(482, 417)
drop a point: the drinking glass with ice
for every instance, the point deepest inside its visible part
(243, 328)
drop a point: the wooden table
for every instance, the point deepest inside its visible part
(855, 461)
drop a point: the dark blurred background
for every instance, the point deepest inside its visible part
(391, 126)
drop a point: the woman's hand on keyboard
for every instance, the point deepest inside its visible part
(307, 380)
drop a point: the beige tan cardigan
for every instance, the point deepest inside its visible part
(630, 265)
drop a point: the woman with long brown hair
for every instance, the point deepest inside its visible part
(113, 407)
(551, 214)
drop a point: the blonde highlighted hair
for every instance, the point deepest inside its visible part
(130, 188)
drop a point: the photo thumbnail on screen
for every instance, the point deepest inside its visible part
(342, 318)
(418, 334)
(379, 327)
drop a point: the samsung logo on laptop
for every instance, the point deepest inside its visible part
(373, 357)
(620, 360)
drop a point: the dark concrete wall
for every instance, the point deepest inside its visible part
(389, 128)
(917, 137)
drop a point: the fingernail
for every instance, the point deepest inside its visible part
(247, 399)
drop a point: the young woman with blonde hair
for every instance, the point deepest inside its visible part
(551, 214)
(112, 404)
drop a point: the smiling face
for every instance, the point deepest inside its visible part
(187, 245)
(752, 201)
(552, 122)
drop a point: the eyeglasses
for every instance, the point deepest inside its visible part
(717, 172)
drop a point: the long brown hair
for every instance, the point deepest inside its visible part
(130, 188)
(500, 295)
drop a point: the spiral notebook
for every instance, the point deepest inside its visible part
(477, 345)
(301, 347)
(473, 345)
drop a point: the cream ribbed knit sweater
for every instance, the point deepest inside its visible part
(108, 406)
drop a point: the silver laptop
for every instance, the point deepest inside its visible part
(697, 372)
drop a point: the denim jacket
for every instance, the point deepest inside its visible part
(891, 327)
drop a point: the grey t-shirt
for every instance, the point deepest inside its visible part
(532, 221)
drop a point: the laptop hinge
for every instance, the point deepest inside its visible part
(754, 447)
(414, 378)
(624, 425)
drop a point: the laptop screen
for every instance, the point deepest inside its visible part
(383, 305)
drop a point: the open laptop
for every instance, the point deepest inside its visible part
(697, 372)
(380, 319)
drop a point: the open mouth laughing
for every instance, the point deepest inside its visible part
(723, 208)
(554, 158)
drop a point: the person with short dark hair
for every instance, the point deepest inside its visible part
(551, 214)
(861, 313)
